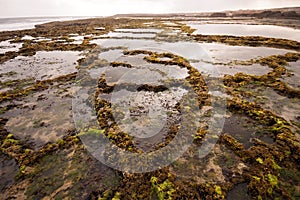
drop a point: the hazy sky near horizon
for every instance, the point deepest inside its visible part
(30, 8)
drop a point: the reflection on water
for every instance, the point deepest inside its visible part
(247, 30)
(293, 79)
(6, 46)
(129, 35)
(244, 129)
(44, 65)
(140, 30)
(288, 108)
(43, 117)
(195, 51)
(111, 55)
(221, 70)
(226, 53)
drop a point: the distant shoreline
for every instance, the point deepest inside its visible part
(23, 23)
(288, 17)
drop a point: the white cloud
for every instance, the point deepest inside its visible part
(110, 7)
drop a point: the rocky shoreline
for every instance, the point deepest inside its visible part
(256, 155)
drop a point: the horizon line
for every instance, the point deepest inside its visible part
(165, 13)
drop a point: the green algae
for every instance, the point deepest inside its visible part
(34, 87)
(163, 190)
(272, 171)
(250, 41)
(48, 170)
(259, 160)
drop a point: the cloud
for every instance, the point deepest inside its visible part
(218, 5)
(110, 7)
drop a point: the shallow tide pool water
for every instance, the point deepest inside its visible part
(6, 46)
(212, 52)
(44, 65)
(247, 30)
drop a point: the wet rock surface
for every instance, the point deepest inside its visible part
(9, 169)
(155, 62)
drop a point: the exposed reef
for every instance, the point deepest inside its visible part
(253, 41)
(256, 156)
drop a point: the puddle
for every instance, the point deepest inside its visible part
(288, 108)
(28, 37)
(217, 167)
(247, 30)
(42, 117)
(230, 163)
(189, 167)
(167, 33)
(149, 23)
(100, 28)
(137, 76)
(78, 39)
(294, 79)
(112, 75)
(203, 51)
(138, 63)
(6, 46)
(70, 173)
(95, 73)
(147, 116)
(175, 72)
(226, 53)
(196, 51)
(129, 35)
(111, 55)
(63, 41)
(134, 60)
(42, 39)
(73, 34)
(221, 70)
(170, 24)
(188, 50)
(8, 170)
(171, 71)
(141, 30)
(244, 129)
(42, 66)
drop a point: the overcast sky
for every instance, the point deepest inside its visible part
(17, 8)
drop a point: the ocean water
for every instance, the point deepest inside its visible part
(10, 24)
